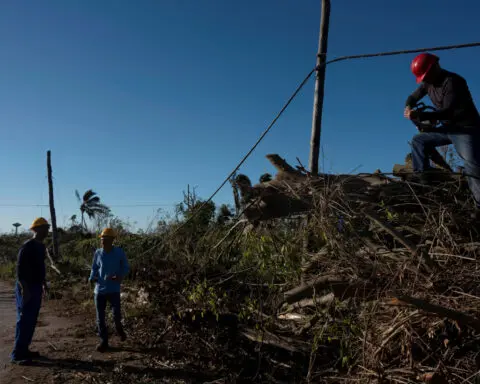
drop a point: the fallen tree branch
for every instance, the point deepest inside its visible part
(424, 305)
(307, 290)
(411, 247)
(286, 343)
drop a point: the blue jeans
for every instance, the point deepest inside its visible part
(27, 315)
(101, 300)
(467, 146)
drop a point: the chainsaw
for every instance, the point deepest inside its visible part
(429, 126)
(424, 125)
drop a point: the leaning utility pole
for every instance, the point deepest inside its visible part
(52, 207)
(319, 88)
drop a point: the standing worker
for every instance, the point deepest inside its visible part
(109, 267)
(29, 289)
(456, 111)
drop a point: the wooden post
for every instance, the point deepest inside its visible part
(52, 207)
(319, 88)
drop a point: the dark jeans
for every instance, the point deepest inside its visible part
(27, 315)
(101, 305)
(467, 146)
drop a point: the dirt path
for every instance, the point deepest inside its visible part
(66, 339)
(7, 322)
(51, 330)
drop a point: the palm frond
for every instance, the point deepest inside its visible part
(88, 195)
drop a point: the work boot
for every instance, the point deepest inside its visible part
(22, 360)
(33, 354)
(102, 347)
(475, 215)
(122, 335)
(120, 332)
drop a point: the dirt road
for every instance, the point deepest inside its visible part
(66, 339)
(52, 330)
(7, 321)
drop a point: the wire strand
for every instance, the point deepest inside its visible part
(338, 59)
(401, 52)
(247, 155)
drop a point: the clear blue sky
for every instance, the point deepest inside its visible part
(137, 99)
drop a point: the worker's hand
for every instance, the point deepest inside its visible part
(115, 278)
(408, 113)
(25, 292)
(45, 289)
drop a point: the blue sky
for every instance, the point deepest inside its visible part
(138, 99)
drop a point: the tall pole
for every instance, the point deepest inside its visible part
(319, 88)
(52, 206)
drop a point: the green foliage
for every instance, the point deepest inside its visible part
(271, 259)
(8, 270)
(224, 214)
(205, 296)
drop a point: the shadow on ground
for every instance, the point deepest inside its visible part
(101, 366)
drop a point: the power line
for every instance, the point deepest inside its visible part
(338, 59)
(402, 52)
(110, 205)
(24, 205)
(270, 126)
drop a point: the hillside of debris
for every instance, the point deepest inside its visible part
(370, 278)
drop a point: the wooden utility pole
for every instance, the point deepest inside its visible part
(319, 88)
(52, 207)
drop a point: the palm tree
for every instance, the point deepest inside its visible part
(91, 206)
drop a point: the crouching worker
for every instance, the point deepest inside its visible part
(29, 290)
(109, 267)
(458, 114)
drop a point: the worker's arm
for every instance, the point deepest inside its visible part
(124, 266)
(451, 102)
(416, 96)
(94, 271)
(23, 272)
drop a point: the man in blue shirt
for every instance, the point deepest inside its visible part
(29, 290)
(109, 267)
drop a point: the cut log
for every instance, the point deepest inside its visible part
(323, 300)
(308, 289)
(338, 287)
(286, 343)
(452, 314)
(293, 192)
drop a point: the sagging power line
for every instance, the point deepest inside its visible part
(297, 91)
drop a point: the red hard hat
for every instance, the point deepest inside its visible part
(422, 64)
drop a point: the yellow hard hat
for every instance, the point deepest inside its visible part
(108, 232)
(39, 222)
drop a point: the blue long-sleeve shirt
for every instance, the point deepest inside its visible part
(105, 265)
(31, 263)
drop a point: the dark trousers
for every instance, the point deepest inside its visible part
(101, 300)
(27, 315)
(467, 146)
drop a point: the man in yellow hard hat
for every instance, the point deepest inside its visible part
(109, 267)
(29, 289)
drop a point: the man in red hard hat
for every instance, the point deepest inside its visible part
(460, 120)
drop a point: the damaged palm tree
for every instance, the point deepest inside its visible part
(292, 191)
